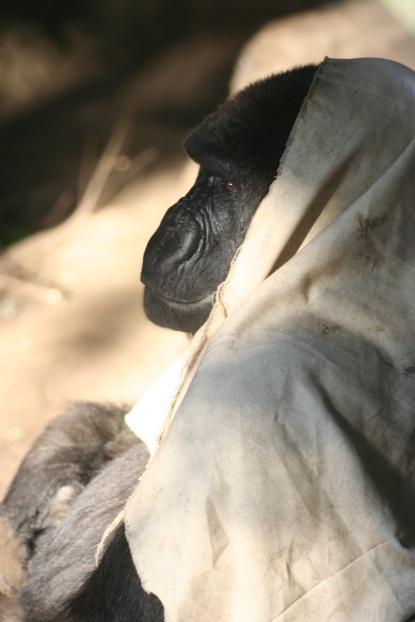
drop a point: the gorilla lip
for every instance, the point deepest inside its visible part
(183, 316)
(173, 301)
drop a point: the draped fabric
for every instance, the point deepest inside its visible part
(284, 489)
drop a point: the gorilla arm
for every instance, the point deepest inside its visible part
(61, 462)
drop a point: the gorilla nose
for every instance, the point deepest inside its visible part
(171, 241)
(169, 247)
(176, 244)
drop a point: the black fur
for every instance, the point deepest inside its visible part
(114, 587)
(71, 485)
(64, 558)
(111, 593)
(242, 143)
(69, 453)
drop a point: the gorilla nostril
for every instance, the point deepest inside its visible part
(169, 248)
(177, 245)
(171, 240)
(190, 240)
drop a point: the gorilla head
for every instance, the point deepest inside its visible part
(238, 148)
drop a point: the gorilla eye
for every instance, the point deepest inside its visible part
(229, 186)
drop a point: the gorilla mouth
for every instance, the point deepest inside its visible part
(176, 315)
(176, 301)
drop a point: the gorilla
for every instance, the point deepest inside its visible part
(78, 475)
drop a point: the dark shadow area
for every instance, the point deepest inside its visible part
(72, 69)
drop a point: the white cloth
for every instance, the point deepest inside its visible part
(284, 489)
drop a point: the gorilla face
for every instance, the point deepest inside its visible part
(238, 149)
(190, 253)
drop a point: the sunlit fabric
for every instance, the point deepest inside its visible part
(284, 489)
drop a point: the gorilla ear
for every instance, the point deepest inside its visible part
(210, 156)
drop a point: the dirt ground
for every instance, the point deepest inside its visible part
(71, 322)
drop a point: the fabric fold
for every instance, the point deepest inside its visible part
(284, 488)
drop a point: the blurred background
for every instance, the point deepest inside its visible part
(96, 97)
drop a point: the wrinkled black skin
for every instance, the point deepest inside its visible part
(90, 451)
(242, 142)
